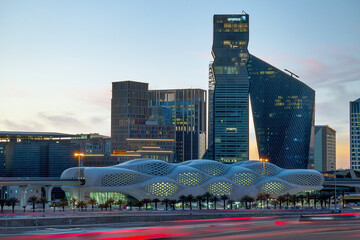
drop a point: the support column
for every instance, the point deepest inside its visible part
(23, 190)
(48, 189)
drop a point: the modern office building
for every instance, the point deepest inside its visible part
(93, 144)
(325, 149)
(283, 112)
(230, 96)
(355, 134)
(188, 114)
(36, 154)
(138, 130)
(283, 107)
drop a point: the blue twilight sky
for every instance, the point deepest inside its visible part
(58, 58)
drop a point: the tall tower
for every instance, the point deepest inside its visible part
(230, 96)
(355, 134)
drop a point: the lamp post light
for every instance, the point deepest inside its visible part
(263, 160)
(79, 155)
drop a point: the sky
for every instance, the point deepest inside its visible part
(59, 58)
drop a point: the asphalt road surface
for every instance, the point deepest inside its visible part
(225, 229)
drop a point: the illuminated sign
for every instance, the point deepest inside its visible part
(239, 19)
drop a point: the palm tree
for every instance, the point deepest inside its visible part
(156, 200)
(281, 199)
(43, 201)
(139, 204)
(109, 202)
(288, 197)
(2, 204)
(260, 197)
(101, 206)
(73, 202)
(182, 199)
(13, 201)
(231, 202)
(200, 199)
(146, 201)
(224, 197)
(92, 202)
(274, 203)
(267, 197)
(247, 199)
(207, 196)
(172, 203)
(63, 203)
(166, 202)
(301, 199)
(130, 203)
(119, 202)
(214, 199)
(53, 205)
(190, 198)
(308, 199)
(33, 200)
(81, 204)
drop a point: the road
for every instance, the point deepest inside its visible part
(270, 227)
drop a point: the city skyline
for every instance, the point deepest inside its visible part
(58, 59)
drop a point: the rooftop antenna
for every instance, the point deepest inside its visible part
(291, 73)
(244, 12)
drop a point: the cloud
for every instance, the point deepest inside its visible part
(206, 56)
(10, 125)
(61, 121)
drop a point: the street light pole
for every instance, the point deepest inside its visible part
(335, 210)
(263, 160)
(79, 155)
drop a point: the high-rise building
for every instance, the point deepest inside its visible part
(230, 96)
(283, 107)
(325, 149)
(188, 107)
(136, 129)
(355, 134)
(283, 113)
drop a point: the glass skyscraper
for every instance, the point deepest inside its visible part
(188, 109)
(283, 107)
(355, 134)
(230, 96)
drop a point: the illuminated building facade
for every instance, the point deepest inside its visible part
(36, 154)
(149, 178)
(188, 108)
(325, 149)
(283, 107)
(138, 130)
(229, 138)
(283, 113)
(355, 134)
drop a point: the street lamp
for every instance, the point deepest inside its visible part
(263, 160)
(79, 155)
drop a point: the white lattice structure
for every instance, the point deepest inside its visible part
(149, 178)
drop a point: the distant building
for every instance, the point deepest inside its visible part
(136, 129)
(325, 149)
(36, 154)
(355, 134)
(93, 144)
(188, 107)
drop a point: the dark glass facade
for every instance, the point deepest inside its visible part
(138, 130)
(283, 111)
(230, 94)
(188, 107)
